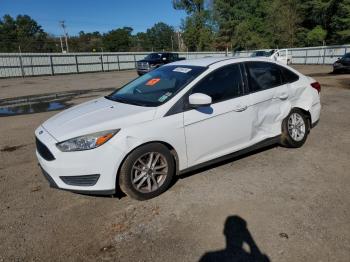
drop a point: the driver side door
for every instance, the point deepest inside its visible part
(224, 126)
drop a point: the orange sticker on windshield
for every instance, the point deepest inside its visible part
(152, 81)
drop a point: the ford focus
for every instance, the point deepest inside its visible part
(176, 118)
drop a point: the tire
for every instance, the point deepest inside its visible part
(292, 136)
(135, 176)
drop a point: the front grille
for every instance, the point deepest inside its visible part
(87, 180)
(142, 65)
(43, 150)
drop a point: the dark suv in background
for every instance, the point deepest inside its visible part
(342, 64)
(155, 60)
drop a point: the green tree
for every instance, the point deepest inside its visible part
(241, 23)
(118, 40)
(141, 42)
(283, 23)
(8, 35)
(86, 42)
(197, 28)
(22, 32)
(316, 36)
(332, 15)
(161, 37)
(340, 24)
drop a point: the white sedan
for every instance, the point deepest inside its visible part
(176, 118)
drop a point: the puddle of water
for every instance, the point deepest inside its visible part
(11, 148)
(31, 108)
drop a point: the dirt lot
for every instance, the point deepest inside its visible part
(289, 204)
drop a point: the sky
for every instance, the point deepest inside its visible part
(98, 15)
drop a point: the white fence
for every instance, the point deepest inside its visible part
(37, 64)
(310, 55)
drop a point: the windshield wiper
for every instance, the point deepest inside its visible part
(125, 101)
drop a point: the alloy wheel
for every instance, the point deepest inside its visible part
(149, 172)
(296, 127)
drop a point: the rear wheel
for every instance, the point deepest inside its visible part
(147, 171)
(295, 129)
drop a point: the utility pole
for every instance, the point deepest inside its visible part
(178, 40)
(61, 44)
(65, 34)
(172, 44)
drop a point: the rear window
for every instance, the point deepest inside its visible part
(263, 75)
(289, 76)
(153, 56)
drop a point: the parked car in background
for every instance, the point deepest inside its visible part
(176, 118)
(342, 64)
(262, 53)
(280, 55)
(155, 60)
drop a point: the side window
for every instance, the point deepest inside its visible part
(263, 75)
(166, 56)
(289, 76)
(175, 57)
(222, 84)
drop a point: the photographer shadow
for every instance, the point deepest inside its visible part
(237, 238)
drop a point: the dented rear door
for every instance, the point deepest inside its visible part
(268, 99)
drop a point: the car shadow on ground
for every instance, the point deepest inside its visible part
(119, 194)
(321, 74)
(223, 162)
(240, 244)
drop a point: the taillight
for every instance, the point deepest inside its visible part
(317, 86)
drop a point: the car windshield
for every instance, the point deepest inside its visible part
(153, 56)
(347, 55)
(156, 87)
(262, 53)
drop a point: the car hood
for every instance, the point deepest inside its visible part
(97, 115)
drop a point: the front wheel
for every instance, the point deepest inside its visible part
(147, 171)
(295, 128)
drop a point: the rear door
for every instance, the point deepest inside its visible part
(281, 56)
(224, 126)
(268, 98)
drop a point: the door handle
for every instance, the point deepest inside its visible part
(239, 108)
(282, 96)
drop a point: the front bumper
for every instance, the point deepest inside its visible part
(143, 71)
(88, 192)
(339, 67)
(91, 171)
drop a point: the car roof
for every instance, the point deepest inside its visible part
(208, 61)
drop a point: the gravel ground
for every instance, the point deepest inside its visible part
(277, 204)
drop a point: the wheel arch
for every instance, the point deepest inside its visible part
(306, 113)
(170, 147)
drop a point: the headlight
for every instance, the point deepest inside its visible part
(86, 142)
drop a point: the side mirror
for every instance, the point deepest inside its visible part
(199, 99)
